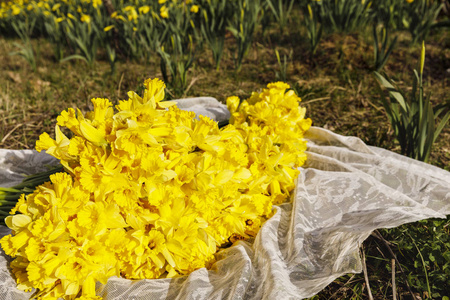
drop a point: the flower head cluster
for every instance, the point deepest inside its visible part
(45, 7)
(151, 191)
(87, 10)
(272, 124)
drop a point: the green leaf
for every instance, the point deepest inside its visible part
(430, 132)
(8, 190)
(74, 56)
(441, 125)
(392, 90)
(432, 258)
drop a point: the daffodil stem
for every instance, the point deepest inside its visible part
(9, 198)
(9, 190)
(5, 203)
(39, 178)
(8, 207)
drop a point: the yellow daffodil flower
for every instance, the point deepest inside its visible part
(152, 191)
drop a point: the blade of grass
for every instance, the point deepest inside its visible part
(423, 263)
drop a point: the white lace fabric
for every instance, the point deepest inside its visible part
(345, 190)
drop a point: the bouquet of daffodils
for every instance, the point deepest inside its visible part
(149, 191)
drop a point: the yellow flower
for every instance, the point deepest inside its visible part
(15, 10)
(92, 134)
(85, 18)
(58, 148)
(233, 103)
(164, 12)
(56, 6)
(17, 222)
(131, 12)
(96, 3)
(194, 9)
(154, 89)
(108, 28)
(144, 9)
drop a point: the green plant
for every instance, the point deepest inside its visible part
(177, 47)
(243, 26)
(392, 13)
(282, 75)
(313, 27)
(111, 55)
(26, 51)
(413, 118)
(344, 15)
(55, 34)
(176, 60)
(382, 46)
(150, 35)
(281, 10)
(24, 29)
(106, 35)
(132, 43)
(181, 22)
(85, 38)
(213, 23)
(422, 15)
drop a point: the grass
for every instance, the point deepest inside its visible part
(337, 88)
